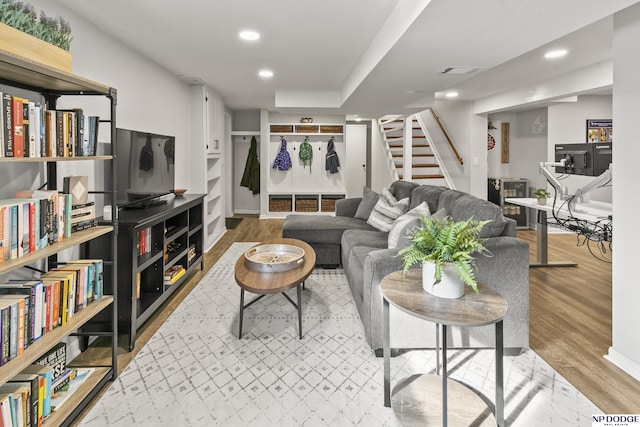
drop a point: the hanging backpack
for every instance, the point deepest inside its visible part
(306, 153)
(283, 160)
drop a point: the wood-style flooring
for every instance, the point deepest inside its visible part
(570, 314)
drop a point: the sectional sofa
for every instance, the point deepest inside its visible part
(363, 252)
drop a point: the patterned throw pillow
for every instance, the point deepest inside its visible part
(400, 224)
(386, 210)
(405, 235)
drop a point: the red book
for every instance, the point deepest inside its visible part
(18, 135)
(55, 312)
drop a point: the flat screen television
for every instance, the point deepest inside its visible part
(145, 167)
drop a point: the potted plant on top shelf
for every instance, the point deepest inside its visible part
(444, 248)
(541, 194)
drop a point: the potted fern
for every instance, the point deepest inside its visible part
(444, 248)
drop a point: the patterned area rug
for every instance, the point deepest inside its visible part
(196, 372)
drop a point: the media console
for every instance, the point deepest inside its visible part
(149, 242)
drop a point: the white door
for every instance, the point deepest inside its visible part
(355, 159)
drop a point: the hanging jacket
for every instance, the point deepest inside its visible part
(251, 175)
(332, 162)
(283, 160)
(306, 153)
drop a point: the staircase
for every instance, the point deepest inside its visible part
(424, 166)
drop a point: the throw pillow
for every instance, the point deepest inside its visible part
(404, 238)
(369, 200)
(400, 224)
(386, 210)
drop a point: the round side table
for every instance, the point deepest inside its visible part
(414, 401)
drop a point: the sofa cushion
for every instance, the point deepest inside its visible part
(354, 238)
(469, 206)
(401, 189)
(369, 200)
(427, 193)
(320, 228)
(386, 210)
(400, 224)
(447, 197)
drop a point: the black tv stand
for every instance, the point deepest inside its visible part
(145, 204)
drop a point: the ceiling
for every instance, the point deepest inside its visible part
(358, 57)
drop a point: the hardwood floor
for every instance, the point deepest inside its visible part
(570, 314)
(570, 323)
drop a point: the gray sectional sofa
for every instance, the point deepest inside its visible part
(363, 252)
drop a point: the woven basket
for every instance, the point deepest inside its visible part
(281, 128)
(328, 205)
(306, 128)
(306, 205)
(330, 129)
(280, 205)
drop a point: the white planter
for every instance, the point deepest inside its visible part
(542, 201)
(449, 287)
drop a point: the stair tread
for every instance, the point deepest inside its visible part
(423, 165)
(414, 155)
(424, 176)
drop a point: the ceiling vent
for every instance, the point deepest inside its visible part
(459, 71)
(194, 81)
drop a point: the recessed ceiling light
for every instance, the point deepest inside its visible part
(451, 94)
(559, 53)
(249, 35)
(265, 73)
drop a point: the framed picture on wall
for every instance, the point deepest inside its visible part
(599, 130)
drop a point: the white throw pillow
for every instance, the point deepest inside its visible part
(386, 210)
(400, 224)
(405, 235)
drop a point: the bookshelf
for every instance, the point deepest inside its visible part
(150, 241)
(51, 84)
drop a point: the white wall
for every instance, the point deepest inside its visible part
(380, 165)
(567, 124)
(625, 349)
(150, 98)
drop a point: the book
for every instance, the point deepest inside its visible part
(7, 125)
(172, 271)
(50, 216)
(9, 310)
(21, 393)
(5, 409)
(11, 248)
(78, 377)
(51, 143)
(18, 135)
(34, 289)
(67, 284)
(31, 128)
(21, 318)
(78, 187)
(56, 358)
(175, 277)
(44, 389)
(83, 225)
(5, 233)
(31, 381)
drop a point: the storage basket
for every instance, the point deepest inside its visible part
(280, 205)
(281, 128)
(330, 129)
(307, 129)
(328, 205)
(306, 205)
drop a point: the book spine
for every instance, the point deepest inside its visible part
(14, 232)
(51, 147)
(13, 331)
(48, 298)
(21, 326)
(99, 288)
(5, 231)
(7, 124)
(34, 129)
(25, 127)
(6, 333)
(60, 133)
(67, 215)
(18, 135)
(55, 312)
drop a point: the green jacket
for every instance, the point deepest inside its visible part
(251, 175)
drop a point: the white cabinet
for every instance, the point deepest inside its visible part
(207, 156)
(305, 187)
(215, 122)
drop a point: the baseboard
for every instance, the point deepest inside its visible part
(623, 362)
(247, 211)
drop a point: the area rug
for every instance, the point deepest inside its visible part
(231, 223)
(196, 372)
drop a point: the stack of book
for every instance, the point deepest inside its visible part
(173, 273)
(83, 216)
(29, 129)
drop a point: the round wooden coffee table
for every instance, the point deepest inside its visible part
(415, 399)
(264, 283)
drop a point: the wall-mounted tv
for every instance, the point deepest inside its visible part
(145, 167)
